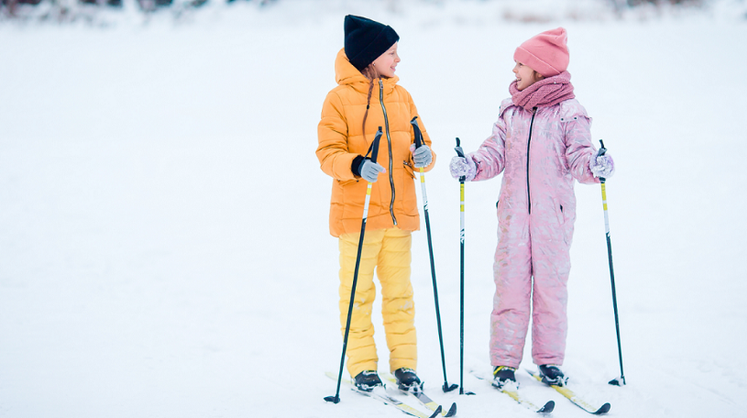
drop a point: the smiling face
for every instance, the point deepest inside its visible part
(387, 62)
(525, 76)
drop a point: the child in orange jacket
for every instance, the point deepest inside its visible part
(367, 97)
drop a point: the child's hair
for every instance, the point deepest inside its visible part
(371, 74)
(365, 40)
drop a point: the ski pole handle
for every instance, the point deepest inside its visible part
(418, 133)
(418, 142)
(374, 148)
(601, 152)
(458, 148)
(460, 153)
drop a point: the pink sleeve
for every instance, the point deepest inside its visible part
(490, 157)
(579, 148)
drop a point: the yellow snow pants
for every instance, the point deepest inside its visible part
(388, 251)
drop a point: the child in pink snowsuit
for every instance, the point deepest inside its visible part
(541, 143)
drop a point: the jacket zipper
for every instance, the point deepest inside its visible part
(529, 141)
(389, 141)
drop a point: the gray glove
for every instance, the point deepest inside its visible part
(422, 156)
(370, 170)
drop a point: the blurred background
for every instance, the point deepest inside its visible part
(164, 240)
(92, 11)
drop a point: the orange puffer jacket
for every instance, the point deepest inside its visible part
(341, 140)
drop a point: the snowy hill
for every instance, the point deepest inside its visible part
(164, 247)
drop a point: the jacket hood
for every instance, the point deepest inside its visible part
(347, 74)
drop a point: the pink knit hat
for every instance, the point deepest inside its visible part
(546, 53)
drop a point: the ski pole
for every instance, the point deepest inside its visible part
(418, 142)
(619, 381)
(460, 153)
(374, 151)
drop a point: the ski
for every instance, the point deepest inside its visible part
(513, 393)
(381, 395)
(573, 397)
(425, 400)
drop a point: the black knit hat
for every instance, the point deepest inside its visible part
(366, 40)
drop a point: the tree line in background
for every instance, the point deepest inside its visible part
(65, 9)
(14, 8)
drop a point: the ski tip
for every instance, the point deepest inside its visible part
(604, 409)
(333, 399)
(549, 406)
(452, 411)
(436, 412)
(448, 388)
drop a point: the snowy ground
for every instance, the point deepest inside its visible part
(164, 249)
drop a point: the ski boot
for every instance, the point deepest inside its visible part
(503, 375)
(367, 380)
(552, 375)
(407, 380)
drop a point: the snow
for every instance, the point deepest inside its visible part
(164, 247)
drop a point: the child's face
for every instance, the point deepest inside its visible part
(386, 64)
(525, 76)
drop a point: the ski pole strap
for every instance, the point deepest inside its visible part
(458, 148)
(418, 142)
(418, 133)
(601, 152)
(373, 149)
(460, 153)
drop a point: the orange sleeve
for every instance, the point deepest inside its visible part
(332, 131)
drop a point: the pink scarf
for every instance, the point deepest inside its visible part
(544, 93)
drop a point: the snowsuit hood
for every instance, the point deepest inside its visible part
(347, 75)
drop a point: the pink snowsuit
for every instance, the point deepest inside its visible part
(540, 154)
